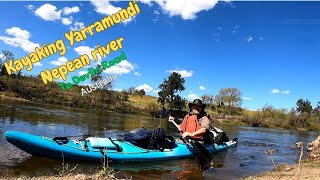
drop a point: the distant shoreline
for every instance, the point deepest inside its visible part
(30, 88)
(215, 121)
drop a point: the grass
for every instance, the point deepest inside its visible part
(141, 102)
(269, 152)
(309, 169)
(305, 168)
(33, 89)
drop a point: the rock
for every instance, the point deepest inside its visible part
(288, 168)
(299, 144)
(80, 177)
(314, 149)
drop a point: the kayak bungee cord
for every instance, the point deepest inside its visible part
(153, 132)
(150, 140)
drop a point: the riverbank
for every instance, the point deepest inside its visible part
(306, 168)
(309, 169)
(145, 105)
(96, 176)
(32, 89)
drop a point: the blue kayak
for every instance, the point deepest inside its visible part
(95, 149)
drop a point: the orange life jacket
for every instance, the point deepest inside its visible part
(190, 124)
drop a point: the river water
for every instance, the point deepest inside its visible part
(247, 158)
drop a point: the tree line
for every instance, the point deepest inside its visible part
(228, 100)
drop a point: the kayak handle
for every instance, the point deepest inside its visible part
(119, 149)
(60, 140)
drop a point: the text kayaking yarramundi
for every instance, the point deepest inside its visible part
(59, 47)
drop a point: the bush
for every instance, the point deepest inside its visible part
(153, 108)
(268, 116)
(34, 89)
(228, 110)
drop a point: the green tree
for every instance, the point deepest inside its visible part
(230, 97)
(168, 89)
(228, 101)
(316, 110)
(142, 92)
(207, 99)
(19, 74)
(304, 106)
(7, 55)
(131, 90)
(98, 76)
(179, 103)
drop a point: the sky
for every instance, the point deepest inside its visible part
(268, 50)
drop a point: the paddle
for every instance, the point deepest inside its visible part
(203, 156)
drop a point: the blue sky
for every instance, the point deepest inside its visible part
(269, 50)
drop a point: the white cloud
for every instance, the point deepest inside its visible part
(277, 91)
(20, 39)
(84, 50)
(247, 98)
(18, 33)
(184, 73)
(148, 2)
(187, 9)
(202, 88)
(116, 89)
(48, 12)
(229, 2)
(156, 91)
(67, 21)
(124, 67)
(105, 8)
(235, 29)
(249, 38)
(1, 56)
(30, 7)
(156, 13)
(82, 72)
(137, 74)
(77, 26)
(60, 61)
(38, 64)
(192, 97)
(285, 92)
(145, 87)
(68, 10)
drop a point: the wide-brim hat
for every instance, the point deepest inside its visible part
(197, 102)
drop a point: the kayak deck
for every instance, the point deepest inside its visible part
(95, 149)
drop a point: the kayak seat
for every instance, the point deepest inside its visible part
(101, 143)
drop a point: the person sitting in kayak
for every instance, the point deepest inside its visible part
(196, 122)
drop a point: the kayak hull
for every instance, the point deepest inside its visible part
(88, 151)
